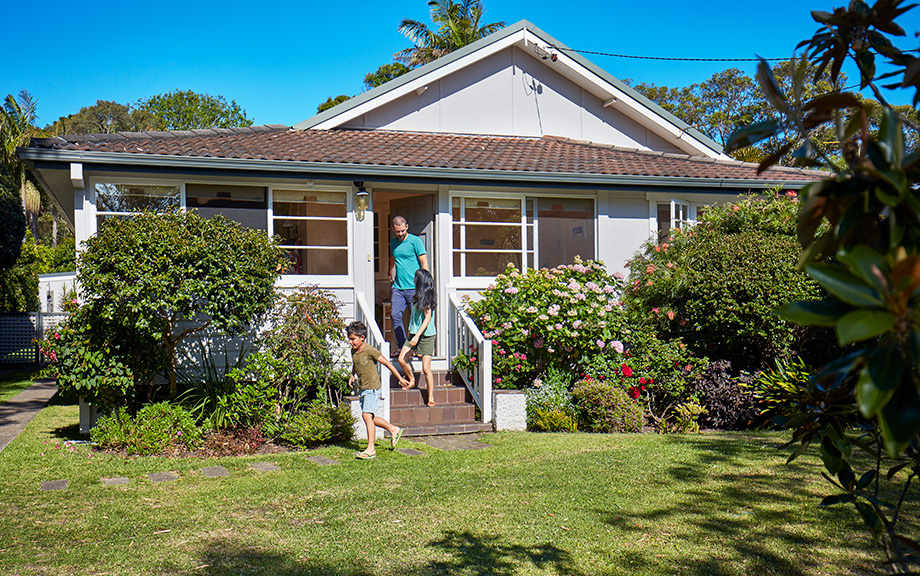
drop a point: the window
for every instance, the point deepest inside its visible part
(313, 226)
(244, 204)
(490, 233)
(672, 215)
(121, 200)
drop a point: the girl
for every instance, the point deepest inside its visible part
(421, 331)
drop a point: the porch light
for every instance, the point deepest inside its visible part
(362, 201)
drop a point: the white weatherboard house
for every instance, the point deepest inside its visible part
(512, 149)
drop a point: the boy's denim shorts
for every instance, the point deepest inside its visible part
(370, 400)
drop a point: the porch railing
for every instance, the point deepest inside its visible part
(465, 337)
(364, 313)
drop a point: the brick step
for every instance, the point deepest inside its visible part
(440, 378)
(443, 395)
(433, 415)
(442, 429)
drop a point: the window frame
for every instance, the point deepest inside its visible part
(93, 213)
(289, 280)
(530, 247)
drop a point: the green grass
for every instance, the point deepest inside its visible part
(721, 504)
(15, 382)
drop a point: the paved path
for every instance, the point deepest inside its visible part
(15, 414)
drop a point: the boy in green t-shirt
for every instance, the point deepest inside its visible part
(364, 359)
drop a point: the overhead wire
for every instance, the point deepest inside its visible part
(666, 57)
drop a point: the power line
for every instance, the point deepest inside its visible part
(672, 59)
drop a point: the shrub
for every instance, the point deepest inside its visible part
(774, 388)
(156, 429)
(717, 284)
(683, 418)
(604, 407)
(318, 423)
(549, 404)
(728, 405)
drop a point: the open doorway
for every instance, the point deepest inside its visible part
(418, 210)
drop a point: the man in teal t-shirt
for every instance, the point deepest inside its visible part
(409, 255)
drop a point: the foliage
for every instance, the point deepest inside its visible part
(331, 102)
(188, 110)
(157, 428)
(163, 277)
(871, 204)
(106, 117)
(318, 423)
(250, 405)
(717, 284)
(683, 418)
(605, 407)
(547, 317)
(384, 74)
(549, 403)
(774, 387)
(232, 442)
(458, 24)
(727, 404)
(297, 354)
(53, 259)
(17, 127)
(19, 284)
(12, 229)
(730, 100)
(203, 381)
(108, 366)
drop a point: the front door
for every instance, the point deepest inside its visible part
(418, 210)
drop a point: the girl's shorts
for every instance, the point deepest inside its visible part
(425, 346)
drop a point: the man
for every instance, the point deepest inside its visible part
(409, 255)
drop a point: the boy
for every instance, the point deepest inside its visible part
(364, 358)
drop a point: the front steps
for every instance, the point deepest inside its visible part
(455, 412)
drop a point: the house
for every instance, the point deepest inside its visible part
(512, 149)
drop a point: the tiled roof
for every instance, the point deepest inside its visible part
(419, 150)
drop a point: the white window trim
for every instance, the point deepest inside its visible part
(92, 223)
(324, 280)
(472, 282)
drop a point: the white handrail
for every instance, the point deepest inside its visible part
(464, 336)
(364, 314)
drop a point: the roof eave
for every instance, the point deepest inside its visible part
(371, 170)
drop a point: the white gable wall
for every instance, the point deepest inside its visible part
(510, 93)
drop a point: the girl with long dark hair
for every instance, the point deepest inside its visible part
(422, 333)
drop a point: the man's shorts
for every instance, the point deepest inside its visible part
(425, 346)
(370, 400)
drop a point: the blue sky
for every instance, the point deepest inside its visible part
(279, 60)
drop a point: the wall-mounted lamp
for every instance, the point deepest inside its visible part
(362, 201)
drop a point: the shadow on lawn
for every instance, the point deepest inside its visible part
(469, 555)
(747, 508)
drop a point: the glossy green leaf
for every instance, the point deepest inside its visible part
(870, 518)
(865, 480)
(895, 469)
(836, 499)
(769, 86)
(830, 455)
(751, 135)
(899, 420)
(864, 262)
(861, 325)
(869, 397)
(820, 313)
(844, 285)
(886, 366)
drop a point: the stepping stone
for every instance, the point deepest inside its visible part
(116, 481)
(264, 466)
(214, 471)
(322, 460)
(163, 476)
(55, 485)
(410, 451)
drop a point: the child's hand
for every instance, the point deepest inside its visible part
(403, 381)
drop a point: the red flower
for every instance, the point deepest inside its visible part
(627, 371)
(634, 392)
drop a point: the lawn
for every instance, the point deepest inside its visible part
(18, 379)
(721, 504)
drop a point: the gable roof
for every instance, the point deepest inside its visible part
(610, 90)
(411, 154)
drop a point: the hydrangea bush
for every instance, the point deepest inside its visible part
(547, 317)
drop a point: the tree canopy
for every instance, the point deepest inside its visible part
(106, 117)
(457, 25)
(187, 110)
(384, 74)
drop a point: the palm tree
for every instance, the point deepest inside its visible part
(458, 25)
(17, 127)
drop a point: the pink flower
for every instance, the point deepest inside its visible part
(655, 310)
(57, 336)
(671, 314)
(617, 345)
(600, 343)
(498, 380)
(494, 342)
(538, 343)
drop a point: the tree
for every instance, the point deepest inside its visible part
(730, 100)
(458, 24)
(17, 127)
(106, 117)
(12, 229)
(384, 74)
(187, 110)
(330, 102)
(163, 277)
(863, 408)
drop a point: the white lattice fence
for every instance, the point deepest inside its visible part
(18, 333)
